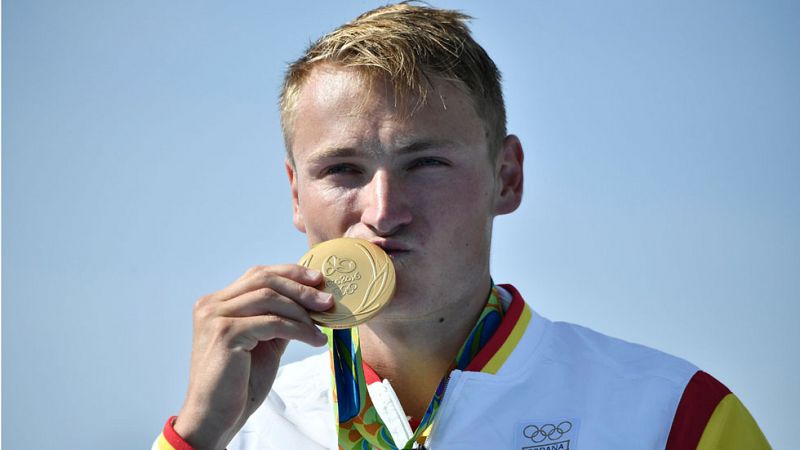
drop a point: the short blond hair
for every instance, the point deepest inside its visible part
(406, 44)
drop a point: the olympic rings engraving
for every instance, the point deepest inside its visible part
(548, 431)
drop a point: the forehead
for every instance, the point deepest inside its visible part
(340, 106)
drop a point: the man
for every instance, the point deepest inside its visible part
(395, 133)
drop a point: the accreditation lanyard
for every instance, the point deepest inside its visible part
(359, 425)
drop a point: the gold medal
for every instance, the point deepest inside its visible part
(358, 273)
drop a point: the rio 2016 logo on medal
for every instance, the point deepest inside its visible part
(358, 273)
(341, 276)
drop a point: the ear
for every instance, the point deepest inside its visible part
(297, 215)
(508, 176)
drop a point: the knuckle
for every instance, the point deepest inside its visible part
(265, 277)
(254, 270)
(222, 326)
(271, 319)
(201, 309)
(266, 293)
(305, 292)
(201, 314)
(200, 302)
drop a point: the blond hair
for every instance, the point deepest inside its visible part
(406, 44)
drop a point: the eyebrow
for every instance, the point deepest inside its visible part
(414, 147)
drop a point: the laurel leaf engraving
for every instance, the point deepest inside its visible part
(369, 297)
(307, 261)
(370, 259)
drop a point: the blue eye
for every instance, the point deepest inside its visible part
(427, 162)
(342, 169)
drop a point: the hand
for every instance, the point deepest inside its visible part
(240, 334)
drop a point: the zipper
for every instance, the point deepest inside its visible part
(452, 378)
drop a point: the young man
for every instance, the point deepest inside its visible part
(395, 132)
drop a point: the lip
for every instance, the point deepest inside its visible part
(391, 246)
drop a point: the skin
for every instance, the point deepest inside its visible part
(422, 187)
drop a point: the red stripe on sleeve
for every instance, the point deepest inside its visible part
(701, 396)
(501, 335)
(173, 437)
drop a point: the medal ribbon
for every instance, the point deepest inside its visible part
(359, 425)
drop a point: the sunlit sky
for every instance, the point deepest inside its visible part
(143, 168)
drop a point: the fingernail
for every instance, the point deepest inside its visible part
(313, 273)
(325, 298)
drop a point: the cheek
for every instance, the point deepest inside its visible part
(463, 196)
(462, 209)
(326, 211)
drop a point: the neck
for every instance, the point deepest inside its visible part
(415, 355)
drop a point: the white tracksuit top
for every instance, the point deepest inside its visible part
(563, 386)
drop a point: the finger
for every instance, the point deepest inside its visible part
(247, 332)
(262, 276)
(294, 271)
(261, 302)
(308, 297)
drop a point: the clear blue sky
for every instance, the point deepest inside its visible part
(142, 168)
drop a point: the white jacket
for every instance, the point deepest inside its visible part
(562, 386)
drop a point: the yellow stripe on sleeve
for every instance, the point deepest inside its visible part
(731, 427)
(162, 444)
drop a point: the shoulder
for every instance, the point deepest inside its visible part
(545, 343)
(697, 410)
(710, 416)
(604, 380)
(583, 346)
(617, 392)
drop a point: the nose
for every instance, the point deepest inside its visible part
(385, 205)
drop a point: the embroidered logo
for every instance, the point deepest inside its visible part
(558, 434)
